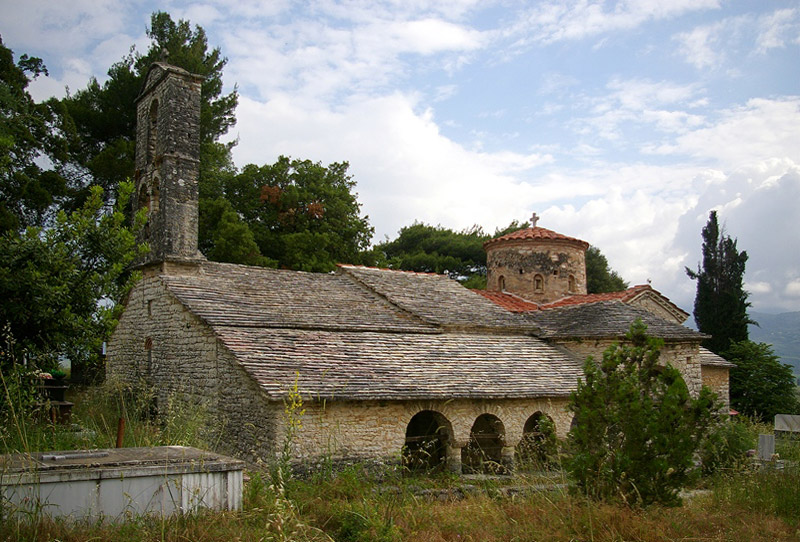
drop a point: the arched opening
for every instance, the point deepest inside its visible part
(427, 437)
(152, 130)
(484, 452)
(501, 283)
(538, 448)
(154, 196)
(144, 203)
(571, 283)
(538, 283)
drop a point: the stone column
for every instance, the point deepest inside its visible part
(507, 457)
(454, 458)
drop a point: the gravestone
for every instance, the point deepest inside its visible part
(766, 447)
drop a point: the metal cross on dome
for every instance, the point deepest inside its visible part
(534, 220)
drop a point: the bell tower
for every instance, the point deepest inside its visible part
(168, 163)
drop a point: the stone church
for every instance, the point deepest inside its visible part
(385, 361)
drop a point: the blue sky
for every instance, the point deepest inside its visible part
(621, 123)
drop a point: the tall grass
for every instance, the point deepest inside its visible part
(95, 419)
(359, 504)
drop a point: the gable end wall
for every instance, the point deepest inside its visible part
(189, 366)
(684, 356)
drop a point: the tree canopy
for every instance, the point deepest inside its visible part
(760, 385)
(720, 306)
(302, 215)
(636, 428)
(28, 132)
(600, 278)
(435, 249)
(59, 285)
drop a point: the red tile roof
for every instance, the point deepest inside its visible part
(515, 303)
(623, 295)
(535, 234)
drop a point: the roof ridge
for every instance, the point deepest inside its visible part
(374, 268)
(357, 280)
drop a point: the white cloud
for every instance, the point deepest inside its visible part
(777, 29)
(554, 21)
(793, 288)
(717, 44)
(700, 46)
(761, 129)
(405, 168)
(758, 287)
(317, 59)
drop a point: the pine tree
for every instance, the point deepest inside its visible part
(720, 307)
(636, 427)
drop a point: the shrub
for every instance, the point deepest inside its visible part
(726, 447)
(636, 427)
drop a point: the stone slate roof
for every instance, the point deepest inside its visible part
(514, 303)
(366, 334)
(437, 299)
(710, 359)
(626, 296)
(509, 302)
(239, 295)
(535, 233)
(622, 295)
(369, 365)
(606, 319)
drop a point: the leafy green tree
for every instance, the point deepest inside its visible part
(60, 286)
(28, 131)
(302, 215)
(720, 306)
(636, 428)
(600, 278)
(224, 237)
(760, 385)
(105, 115)
(435, 249)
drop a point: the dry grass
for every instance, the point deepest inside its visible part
(355, 506)
(326, 511)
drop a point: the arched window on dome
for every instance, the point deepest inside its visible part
(572, 286)
(501, 283)
(538, 283)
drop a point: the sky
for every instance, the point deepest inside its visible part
(621, 123)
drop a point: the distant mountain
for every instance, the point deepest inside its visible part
(782, 331)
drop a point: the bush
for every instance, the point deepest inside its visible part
(636, 428)
(726, 447)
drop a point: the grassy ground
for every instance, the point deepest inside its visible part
(351, 506)
(358, 505)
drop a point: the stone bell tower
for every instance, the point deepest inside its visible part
(168, 163)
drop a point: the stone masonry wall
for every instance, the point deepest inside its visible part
(364, 430)
(717, 379)
(651, 305)
(684, 356)
(158, 343)
(519, 262)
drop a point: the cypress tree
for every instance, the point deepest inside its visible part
(720, 306)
